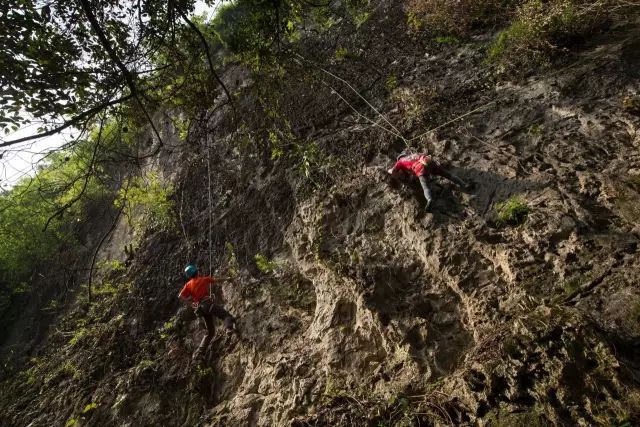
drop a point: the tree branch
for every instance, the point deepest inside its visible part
(77, 119)
(205, 45)
(87, 177)
(95, 25)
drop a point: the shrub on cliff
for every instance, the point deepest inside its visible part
(542, 30)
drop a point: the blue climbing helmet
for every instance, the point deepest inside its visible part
(190, 271)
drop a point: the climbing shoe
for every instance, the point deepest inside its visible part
(231, 326)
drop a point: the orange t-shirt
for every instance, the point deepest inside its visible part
(197, 288)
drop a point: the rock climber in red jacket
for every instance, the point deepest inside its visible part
(422, 165)
(200, 293)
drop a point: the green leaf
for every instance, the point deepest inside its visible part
(90, 407)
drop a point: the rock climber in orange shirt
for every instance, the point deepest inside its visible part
(200, 293)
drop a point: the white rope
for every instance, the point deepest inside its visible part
(210, 210)
(184, 230)
(398, 133)
(453, 120)
(374, 123)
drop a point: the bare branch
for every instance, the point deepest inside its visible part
(207, 49)
(95, 25)
(77, 119)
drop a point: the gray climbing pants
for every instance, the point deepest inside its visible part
(435, 168)
(207, 310)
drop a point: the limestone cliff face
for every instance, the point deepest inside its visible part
(372, 311)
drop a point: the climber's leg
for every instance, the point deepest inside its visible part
(229, 321)
(207, 319)
(424, 182)
(437, 169)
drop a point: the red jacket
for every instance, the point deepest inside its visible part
(414, 163)
(197, 288)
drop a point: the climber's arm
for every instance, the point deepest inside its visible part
(394, 169)
(185, 294)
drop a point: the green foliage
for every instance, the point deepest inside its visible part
(182, 126)
(342, 53)
(358, 12)
(233, 267)
(113, 266)
(535, 129)
(447, 40)
(168, 328)
(78, 336)
(33, 374)
(54, 63)
(277, 149)
(203, 377)
(24, 215)
(391, 83)
(145, 364)
(106, 288)
(76, 420)
(360, 18)
(147, 202)
(68, 370)
(631, 104)
(250, 29)
(512, 211)
(254, 30)
(457, 17)
(542, 29)
(310, 158)
(50, 213)
(90, 407)
(264, 264)
(413, 21)
(334, 389)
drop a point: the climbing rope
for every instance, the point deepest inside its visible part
(355, 110)
(184, 230)
(395, 132)
(398, 133)
(210, 208)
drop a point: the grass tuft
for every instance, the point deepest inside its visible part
(513, 211)
(541, 30)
